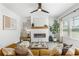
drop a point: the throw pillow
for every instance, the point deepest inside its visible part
(77, 51)
(1, 54)
(25, 43)
(54, 52)
(21, 50)
(70, 52)
(8, 51)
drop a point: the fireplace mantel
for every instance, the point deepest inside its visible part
(40, 27)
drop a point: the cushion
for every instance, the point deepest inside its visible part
(8, 51)
(1, 54)
(64, 51)
(25, 43)
(35, 52)
(44, 52)
(77, 51)
(21, 50)
(67, 50)
(69, 53)
(54, 52)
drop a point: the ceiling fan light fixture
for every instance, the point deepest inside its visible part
(39, 9)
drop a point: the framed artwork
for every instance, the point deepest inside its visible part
(9, 23)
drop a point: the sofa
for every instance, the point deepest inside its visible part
(35, 52)
(43, 52)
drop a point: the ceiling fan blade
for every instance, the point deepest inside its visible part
(44, 11)
(34, 11)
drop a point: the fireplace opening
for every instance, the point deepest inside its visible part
(40, 35)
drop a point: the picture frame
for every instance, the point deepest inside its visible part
(9, 23)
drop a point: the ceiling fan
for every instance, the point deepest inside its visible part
(39, 9)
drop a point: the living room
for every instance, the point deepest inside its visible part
(39, 29)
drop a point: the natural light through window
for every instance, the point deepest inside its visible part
(75, 27)
(71, 27)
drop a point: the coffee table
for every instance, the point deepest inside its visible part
(37, 45)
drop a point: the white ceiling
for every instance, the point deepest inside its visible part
(24, 9)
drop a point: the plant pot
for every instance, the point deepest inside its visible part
(57, 37)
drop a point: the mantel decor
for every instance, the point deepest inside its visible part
(9, 23)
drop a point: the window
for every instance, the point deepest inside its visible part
(71, 27)
(65, 28)
(75, 27)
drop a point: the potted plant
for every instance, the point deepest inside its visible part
(55, 29)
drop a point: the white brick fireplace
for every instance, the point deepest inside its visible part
(39, 35)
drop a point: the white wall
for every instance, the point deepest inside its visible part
(8, 36)
(51, 20)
